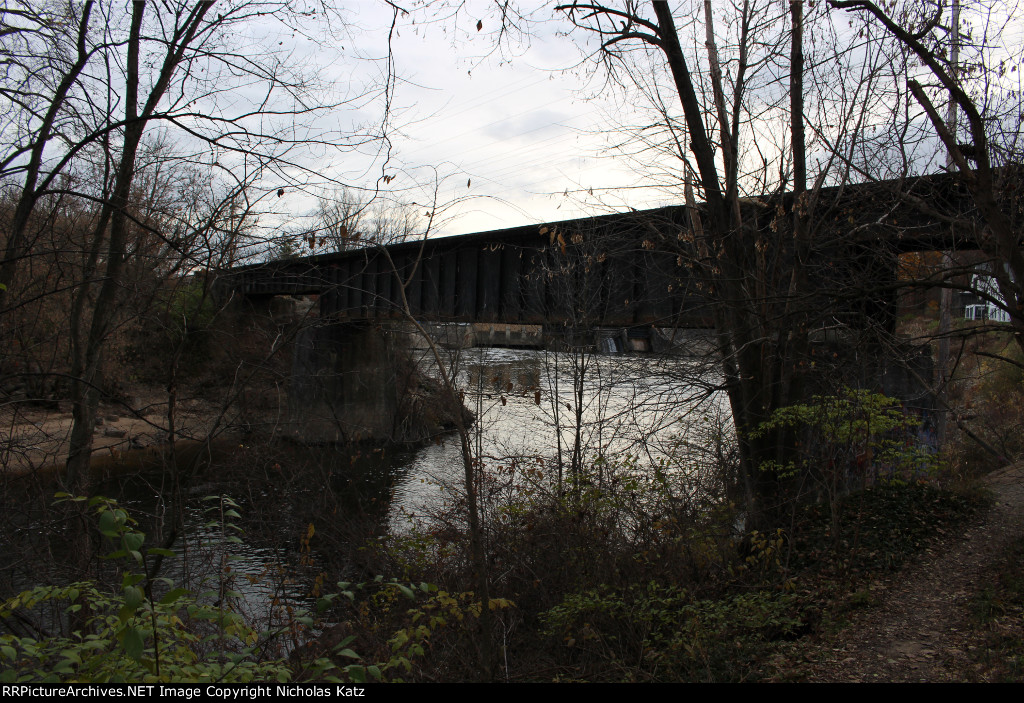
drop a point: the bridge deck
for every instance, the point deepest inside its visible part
(616, 270)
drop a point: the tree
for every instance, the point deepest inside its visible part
(975, 71)
(964, 61)
(40, 81)
(344, 220)
(137, 149)
(761, 254)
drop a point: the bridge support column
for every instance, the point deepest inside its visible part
(355, 381)
(345, 384)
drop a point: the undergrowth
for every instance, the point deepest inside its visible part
(880, 528)
(999, 611)
(782, 589)
(688, 601)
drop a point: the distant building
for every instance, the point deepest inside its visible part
(984, 301)
(977, 300)
(985, 311)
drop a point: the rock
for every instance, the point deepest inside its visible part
(99, 422)
(113, 432)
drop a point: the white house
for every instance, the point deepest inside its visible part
(987, 293)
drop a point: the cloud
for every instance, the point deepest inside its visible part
(530, 125)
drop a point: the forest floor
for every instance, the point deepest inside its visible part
(942, 617)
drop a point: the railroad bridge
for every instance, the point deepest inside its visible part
(625, 270)
(622, 269)
(533, 274)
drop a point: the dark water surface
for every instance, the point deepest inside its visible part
(305, 510)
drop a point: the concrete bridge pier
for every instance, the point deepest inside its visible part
(357, 381)
(346, 379)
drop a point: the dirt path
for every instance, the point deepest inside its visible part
(921, 627)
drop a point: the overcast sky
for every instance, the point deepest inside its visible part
(516, 137)
(522, 135)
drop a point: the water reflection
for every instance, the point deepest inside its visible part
(531, 405)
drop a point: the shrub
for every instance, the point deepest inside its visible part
(132, 635)
(656, 632)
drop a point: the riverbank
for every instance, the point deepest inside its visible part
(39, 436)
(627, 567)
(132, 430)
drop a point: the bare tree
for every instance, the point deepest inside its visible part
(345, 220)
(102, 125)
(973, 68)
(755, 249)
(42, 72)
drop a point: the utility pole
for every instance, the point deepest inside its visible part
(946, 294)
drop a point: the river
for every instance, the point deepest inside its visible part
(303, 510)
(529, 404)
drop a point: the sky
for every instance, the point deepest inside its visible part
(493, 134)
(512, 138)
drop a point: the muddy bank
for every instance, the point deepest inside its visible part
(133, 435)
(38, 437)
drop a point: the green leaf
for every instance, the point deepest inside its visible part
(108, 524)
(132, 643)
(173, 595)
(125, 613)
(134, 540)
(159, 552)
(72, 656)
(131, 579)
(133, 596)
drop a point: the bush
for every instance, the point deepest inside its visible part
(851, 440)
(661, 633)
(131, 635)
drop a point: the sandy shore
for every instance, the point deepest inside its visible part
(32, 437)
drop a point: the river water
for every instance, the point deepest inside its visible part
(530, 408)
(529, 403)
